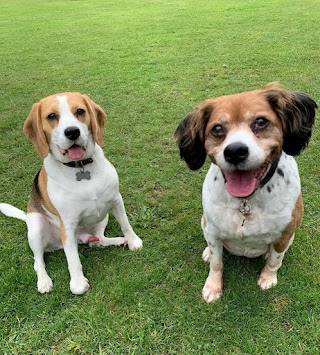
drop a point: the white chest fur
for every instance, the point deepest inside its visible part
(85, 202)
(270, 210)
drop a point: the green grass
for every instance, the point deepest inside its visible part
(147, 63)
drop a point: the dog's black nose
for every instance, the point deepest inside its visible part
(236, 153)
(72, 133)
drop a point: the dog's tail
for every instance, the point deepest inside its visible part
(12, 211)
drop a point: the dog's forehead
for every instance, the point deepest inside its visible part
(240, 104)
(57, 101)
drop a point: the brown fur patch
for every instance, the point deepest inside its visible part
(40, 202)
(63, 234)
(295, 222)
(33, 128)
(204, 222)
(39, 199)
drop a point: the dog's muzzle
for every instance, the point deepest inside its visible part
(72, 133)
(239, 182)
(236, 153)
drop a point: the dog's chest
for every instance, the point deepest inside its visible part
(85, 201)
(257, 220)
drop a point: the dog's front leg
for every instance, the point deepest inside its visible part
(38, 234)
(78, 283)
(212, 289)
(118, 210)
(268, 277)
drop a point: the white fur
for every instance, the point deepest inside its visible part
(270, 213)
(12, 211)
(256, 154)
(83, 205)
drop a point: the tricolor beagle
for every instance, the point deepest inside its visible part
(75, 188)
(251, 195)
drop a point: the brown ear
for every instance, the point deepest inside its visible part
(98, 118)
(34, 130)
(190, 136)
(296, 111)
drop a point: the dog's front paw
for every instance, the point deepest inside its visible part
(134, 243)
(206, 255)
(267, 279)
(212, 289)
(210, 293)
(44, 284)
(79, 285)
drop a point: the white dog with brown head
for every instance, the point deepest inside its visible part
(251, 195)
(75, 188)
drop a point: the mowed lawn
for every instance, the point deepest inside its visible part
(147, 63)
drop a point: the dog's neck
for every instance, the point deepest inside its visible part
(79, 163)
(82, 174)
(244, 207)
(270, 173)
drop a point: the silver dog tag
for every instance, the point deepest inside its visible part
(244, 209)
(83, 175)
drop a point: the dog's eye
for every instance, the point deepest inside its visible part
(52, 116)
(218, 131)
(80, 112)
(259, 123)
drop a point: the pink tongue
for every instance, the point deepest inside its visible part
(75, 152)
(241, 183)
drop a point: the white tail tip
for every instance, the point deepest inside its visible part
(12, 211)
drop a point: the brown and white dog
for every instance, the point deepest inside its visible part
(75, 188)
(251, 195)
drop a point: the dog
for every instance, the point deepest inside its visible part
(75, 188)
(251, 195)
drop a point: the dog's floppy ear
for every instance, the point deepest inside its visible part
(98, 118)
(296, 111)
(34, 130)
(190, 136)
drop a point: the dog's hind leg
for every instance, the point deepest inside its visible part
(103, 241)
(38, 228)
(133, 241)
(99, 228)
(94, 236)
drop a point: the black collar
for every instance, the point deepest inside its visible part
(79, 163)
(270, 172)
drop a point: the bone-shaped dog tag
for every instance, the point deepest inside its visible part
(83, 175)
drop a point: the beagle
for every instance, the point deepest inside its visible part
(75, 188)
(251, 196)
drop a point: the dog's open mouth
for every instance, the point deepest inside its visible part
(243, 183)
(75, 152)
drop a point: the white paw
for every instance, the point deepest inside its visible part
(206, 255)
(267, 280)
(210, 293)
(79, 285)
(44, 284)
(134, 243)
